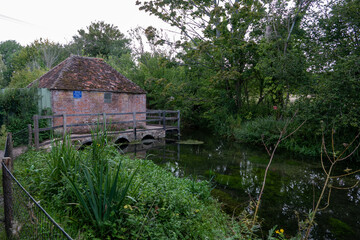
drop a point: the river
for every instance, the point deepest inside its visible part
(293, 184)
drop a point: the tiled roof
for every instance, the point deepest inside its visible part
(86, 74)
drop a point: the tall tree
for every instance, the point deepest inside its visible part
(336, 63)
(218, 37)
(2, 70)
(282, 62)
(102, 39)
(8, 50)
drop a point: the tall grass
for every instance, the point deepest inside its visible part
(102, 195)
(62, 158)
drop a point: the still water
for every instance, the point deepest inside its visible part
(237, 170)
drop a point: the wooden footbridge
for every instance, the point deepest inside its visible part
(121, 127)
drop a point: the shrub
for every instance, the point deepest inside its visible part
(17, 106)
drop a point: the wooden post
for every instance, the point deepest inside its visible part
(36, 132)
(8, 197)
(134, 124)
(9, 147)
(178, 122)
(64, 125)
(164, 120)
(104, 122)
(30, 135)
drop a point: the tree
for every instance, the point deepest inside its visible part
(2, 70)
(8, 50)
(217, 38)
(41, 53)
(24, 77)
(102, 39)
(282, 61)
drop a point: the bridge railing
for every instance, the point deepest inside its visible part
(113, 123)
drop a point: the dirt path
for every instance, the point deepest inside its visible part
(16, 151)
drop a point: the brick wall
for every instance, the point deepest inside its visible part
(93, 102)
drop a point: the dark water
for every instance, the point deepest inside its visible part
(292, 184)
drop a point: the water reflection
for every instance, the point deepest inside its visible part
(238, 171)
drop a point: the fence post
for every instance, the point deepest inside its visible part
(178, 122)
(9, 146)
(104, 121)
(36, 131)
(64, 125)
(134, 124)
(8, 198)
(30, 135)
(164, 120)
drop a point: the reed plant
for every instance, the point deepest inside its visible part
(63, 158)
(102, 185)
(102, 194)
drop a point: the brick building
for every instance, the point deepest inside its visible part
(83, 85)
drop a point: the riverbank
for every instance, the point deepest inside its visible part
(154, 204)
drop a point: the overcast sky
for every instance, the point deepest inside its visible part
(27, 20)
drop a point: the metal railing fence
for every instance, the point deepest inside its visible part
(24, 217)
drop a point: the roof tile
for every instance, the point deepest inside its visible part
(86, 74)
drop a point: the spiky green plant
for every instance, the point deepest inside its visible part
(62, 158)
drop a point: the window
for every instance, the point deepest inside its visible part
(107, 97)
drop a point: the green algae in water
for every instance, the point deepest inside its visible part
(229, 204)
(191, 142)
(340, 229)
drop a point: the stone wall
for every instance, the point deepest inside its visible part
(65, 102)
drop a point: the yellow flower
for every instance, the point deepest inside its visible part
(98, 144)
(277, 231)
(282, 230)
(128, 207)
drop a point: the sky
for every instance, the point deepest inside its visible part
(27, 20)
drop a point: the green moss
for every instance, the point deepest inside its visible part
(229, 204)
(340, 229)
(191, 142)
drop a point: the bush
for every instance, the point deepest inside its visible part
(252, 131)
(17, 107)
(304, 141)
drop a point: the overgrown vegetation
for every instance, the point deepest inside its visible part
(99, 194)
(17, 107)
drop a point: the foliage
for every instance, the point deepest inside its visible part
(3, 136)
(24, 77)
(102, 39)
(8, 49)
(17, 107)
(2, 71)
(253, 131)
(115, 198)
(40, 54)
